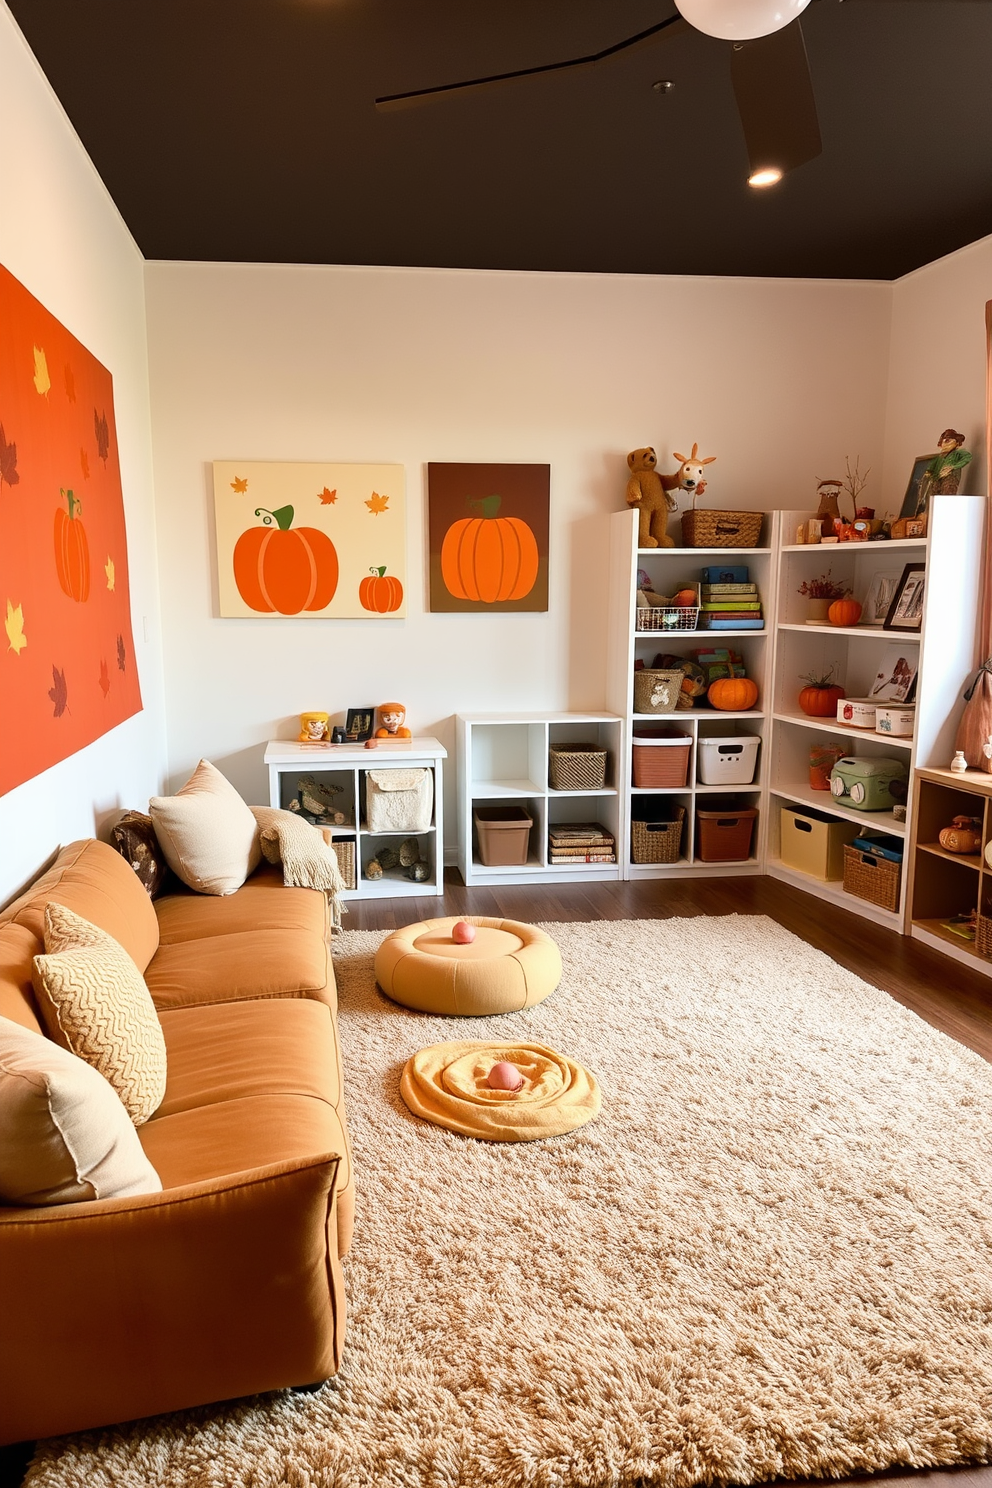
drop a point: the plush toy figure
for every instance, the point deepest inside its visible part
(391, 722)
(648, 491)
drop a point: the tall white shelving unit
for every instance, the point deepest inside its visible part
(944, 651)
(671, 569)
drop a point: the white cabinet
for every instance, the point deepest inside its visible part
(942, 650)
(669, 570)
(339, 772)
(503, 763)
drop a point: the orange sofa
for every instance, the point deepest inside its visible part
(229, 1281)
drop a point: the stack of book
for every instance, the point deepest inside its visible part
(580, 842)
(730, 607)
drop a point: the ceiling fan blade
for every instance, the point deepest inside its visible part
(775, 100)
(391, 101)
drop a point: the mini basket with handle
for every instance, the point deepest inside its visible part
(872, 878)
(657, 689)
(657, 841)
(721, 529)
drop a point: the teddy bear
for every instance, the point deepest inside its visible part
(648, 491)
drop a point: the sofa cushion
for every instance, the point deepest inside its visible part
(244, 964)
(135, 840)
(64, 1134)
(95, 1003)
(207, 832)
(263, 902)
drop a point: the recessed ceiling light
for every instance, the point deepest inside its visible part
(769, 175)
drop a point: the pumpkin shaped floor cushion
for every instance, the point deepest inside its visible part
(506, 967)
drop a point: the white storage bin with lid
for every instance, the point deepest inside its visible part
(731, 760)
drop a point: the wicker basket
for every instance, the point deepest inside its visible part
(869, 877)
(983, 935)
(657, 841)
(667, 617)
(344, 851)
(576, 767)
(721, 529)
(656, 690)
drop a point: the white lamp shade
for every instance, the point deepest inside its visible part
(740, 20)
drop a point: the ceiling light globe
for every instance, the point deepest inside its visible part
(740, 20)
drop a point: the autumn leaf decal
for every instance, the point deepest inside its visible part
(84, 461)
(42, 381)
(104, 678)
(239, 484)
(58, 693)
(121, 654)
(328, 498)
(70, 383)
(8, 460)
(377, 503)
(102, 435)
(14, 626)
(109, 570)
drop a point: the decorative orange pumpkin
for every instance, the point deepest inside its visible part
(285, 568)
(72, 551)
(380, 592)
(844, 612)
(820, 700)
(489, 558)
(733, 694)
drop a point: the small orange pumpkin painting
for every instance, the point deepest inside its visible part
(285, 569)
(489, 558)
(72, 551)
(381, 593)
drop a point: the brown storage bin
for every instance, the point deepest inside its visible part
(872, 878)
(576, 767)
(661, 760)
(504, 835)
(721, 529)
(724, 832)
(657, 841)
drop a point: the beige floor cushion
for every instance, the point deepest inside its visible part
(507, 967)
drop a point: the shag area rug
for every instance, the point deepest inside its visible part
(770, 1255)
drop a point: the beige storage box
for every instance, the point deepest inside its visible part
(399, 800)
(504, 835)
(858, 712)
(814, 843)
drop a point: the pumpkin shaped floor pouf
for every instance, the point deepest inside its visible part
(453, 1085)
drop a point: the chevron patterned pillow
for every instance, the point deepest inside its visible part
(94, 1002)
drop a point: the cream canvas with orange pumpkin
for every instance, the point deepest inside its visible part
(310, 541)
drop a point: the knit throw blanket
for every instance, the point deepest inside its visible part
(307, 861)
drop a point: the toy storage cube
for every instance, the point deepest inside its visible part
(504, 835)
(814, 843)
(731, 760)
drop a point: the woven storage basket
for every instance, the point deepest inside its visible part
(344, 851)
(983, 935)
(656, 690)
(872, 878)
(721, 529)
(657, 841)
(660, 763)
(667, 617)
(576, 767)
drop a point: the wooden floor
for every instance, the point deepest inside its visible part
(952, 998)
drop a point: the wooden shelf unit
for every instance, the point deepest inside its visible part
(943, 884)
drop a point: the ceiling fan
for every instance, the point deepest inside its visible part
(769, 72)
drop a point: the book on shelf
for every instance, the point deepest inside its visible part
(711, 591)
(581, 857)
(578, 834)
(733, 622)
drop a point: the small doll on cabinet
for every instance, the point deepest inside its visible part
(392, 717)
(314, 728)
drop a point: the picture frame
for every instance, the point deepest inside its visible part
(895, 680)
(359, 725)
(917, 496)
(906, 609)
(878, 600)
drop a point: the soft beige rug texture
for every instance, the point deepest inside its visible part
(770, 1254)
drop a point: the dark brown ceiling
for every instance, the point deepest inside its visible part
(244, 130)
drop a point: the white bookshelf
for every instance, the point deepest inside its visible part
(503, 761)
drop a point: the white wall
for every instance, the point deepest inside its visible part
(779, 379)
(62, 237)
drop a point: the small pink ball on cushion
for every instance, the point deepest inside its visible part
(463, 933)
(504, 1076)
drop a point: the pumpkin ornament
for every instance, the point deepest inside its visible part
(72, 551)
(489, 558)
(285, 568)
(820, 696)
(380, 593)
(844, 612)
(733, 694)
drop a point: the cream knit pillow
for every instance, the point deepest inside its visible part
(94, 1002)
(207, 833)
(64, 1135)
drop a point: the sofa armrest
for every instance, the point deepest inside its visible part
(120, 1308)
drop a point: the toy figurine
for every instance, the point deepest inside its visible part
(943, 474)
(391, 720)
(689, 476)
(314, 728)
(964, 835)
(649, 493)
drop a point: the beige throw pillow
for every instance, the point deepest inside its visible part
(207, 833)
(64, 1134)
(94, 1002)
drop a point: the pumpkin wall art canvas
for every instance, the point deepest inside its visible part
(310, 541)
(67, 665)
(489, 527)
